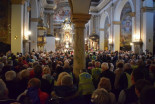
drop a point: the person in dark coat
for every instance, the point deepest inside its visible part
(128, 96)
(107, 73)
(67, 92)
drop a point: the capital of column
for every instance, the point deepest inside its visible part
(18, 2)
(116, 22)
(80, 19)
(132, 14)
(102, 29)
(148, 9)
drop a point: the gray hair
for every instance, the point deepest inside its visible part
(10, 75)
(105, 66)
(3, 89)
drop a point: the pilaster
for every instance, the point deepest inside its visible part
(17, 26)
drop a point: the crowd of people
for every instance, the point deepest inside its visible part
(48, 78)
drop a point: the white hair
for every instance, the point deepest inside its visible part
(10, 75)
(104, 66)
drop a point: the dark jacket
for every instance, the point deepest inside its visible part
(110, 75)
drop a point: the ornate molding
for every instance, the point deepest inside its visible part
(18, 2)
(80, 19)
(148, 9)
(116, 22)
(132, 14)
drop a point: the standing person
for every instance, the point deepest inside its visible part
(86, 86)
(4, 99)
(107, 73)
(128, 96)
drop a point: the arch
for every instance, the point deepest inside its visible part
(116, 27)
(103, 18)
(119, 8)
(102, 26)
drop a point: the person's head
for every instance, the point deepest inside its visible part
(104, 83)
(38, 70)
(35, 63)
(127, 66)
(100, 96)
(24, 74)
(120, 65)
(10, 75)
(34, 83)
(90, 64)
(140, 85)
(3, 90)
(136, 75)
(104, 66)
(147, 95)
(46, 70)
(67, 81)
(97, 64)
(60, 76)
(10, 62)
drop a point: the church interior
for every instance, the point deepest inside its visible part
(77, 36)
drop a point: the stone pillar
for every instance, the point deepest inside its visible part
(116, 38)
(101, 39)
(79, 50)
(148, 25)
(91, 25)
(17, 26)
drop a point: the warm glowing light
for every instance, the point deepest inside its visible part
(85, 39)
(67, 46)
(131, 44)
(110, 41)
(57, 39)
(28, 33)
(136, 38)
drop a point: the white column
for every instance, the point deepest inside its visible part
(148, 25)
(101, 41)
(91, 25)
(17, 28)
(34, 34)
(116, 38)
(133, 33)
